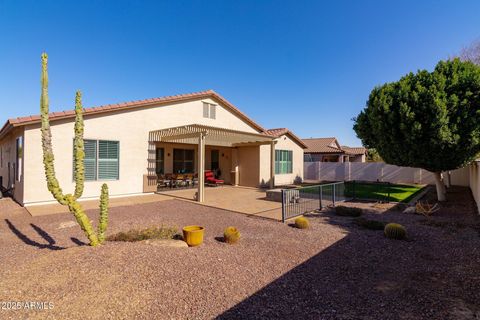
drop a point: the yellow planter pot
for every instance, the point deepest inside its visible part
(193, 235)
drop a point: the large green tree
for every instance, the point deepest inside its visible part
(429, 120)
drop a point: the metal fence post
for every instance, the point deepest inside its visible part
(333, 195)
(354, 192)
(283, 205)
(320, 197)
(388, 195)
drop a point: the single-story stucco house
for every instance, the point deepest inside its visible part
(330, 150)
(129, 144)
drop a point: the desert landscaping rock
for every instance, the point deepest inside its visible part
(333, 270)
(67, 224)
(167, 243)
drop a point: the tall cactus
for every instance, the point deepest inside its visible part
(79, 155)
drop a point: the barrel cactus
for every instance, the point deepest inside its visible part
(395, 231)
(69, 200)
(231, 235)
(302, 223)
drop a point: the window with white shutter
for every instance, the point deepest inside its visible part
(283, 161)
(108, 152)
(206, 109)
(209, 110)
(101, 160)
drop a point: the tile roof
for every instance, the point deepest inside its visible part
(354, 150)
(322, 145)
(330, 145)
(130, 105)
(278, 132)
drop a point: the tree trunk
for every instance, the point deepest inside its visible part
(440, 186)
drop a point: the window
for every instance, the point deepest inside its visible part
(159, 160)
(183, 161)
(101, 160)
(283, 161)
(90, 162)
(209, 110)
(107, 160)
(19, 158)
(1, 157)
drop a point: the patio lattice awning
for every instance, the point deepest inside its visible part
(213, 136)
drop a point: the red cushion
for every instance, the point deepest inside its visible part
(213, 180)
(208, 174)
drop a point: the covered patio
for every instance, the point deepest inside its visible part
(200, 136)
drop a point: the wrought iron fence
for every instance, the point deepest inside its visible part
(306, 199)
(301, 200)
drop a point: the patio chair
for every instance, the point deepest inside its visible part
(189, 179)
(211, 180)
(161, 181)
(180, 180)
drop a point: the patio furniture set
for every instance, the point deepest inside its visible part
(188, 180)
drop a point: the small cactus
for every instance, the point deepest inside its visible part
(301, 223)
(395, 231)
(231, 235)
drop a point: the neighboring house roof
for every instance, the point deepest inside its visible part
(278, 132)
(322, 145)
(330, 145)
(21, 121)
(354, 150)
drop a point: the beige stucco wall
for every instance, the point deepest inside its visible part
(258, 160)
(130, 128)
(474, 179)
(8, 155)
(460, 177)
(286, 143)
(248, 166)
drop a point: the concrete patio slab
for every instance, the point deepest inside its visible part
(250, 201)
(41, 210)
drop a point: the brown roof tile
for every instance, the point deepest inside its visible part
(281, 131)
(322, 145)
(354, 150)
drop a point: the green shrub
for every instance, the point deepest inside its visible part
(395, 231)
(231, 235)
(145, 234)
(348, 211)
(369, 224)
(302, 223)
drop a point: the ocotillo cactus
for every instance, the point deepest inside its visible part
(79, 154)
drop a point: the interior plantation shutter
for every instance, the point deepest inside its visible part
(277, 161)
(108, 154)
(206, 107)
(213, 111)
(290, 162)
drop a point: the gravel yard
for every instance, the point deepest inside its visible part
(334, 270)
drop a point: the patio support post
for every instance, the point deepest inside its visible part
(272, 164)
(201, 167)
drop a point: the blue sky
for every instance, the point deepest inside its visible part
(306, 65)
